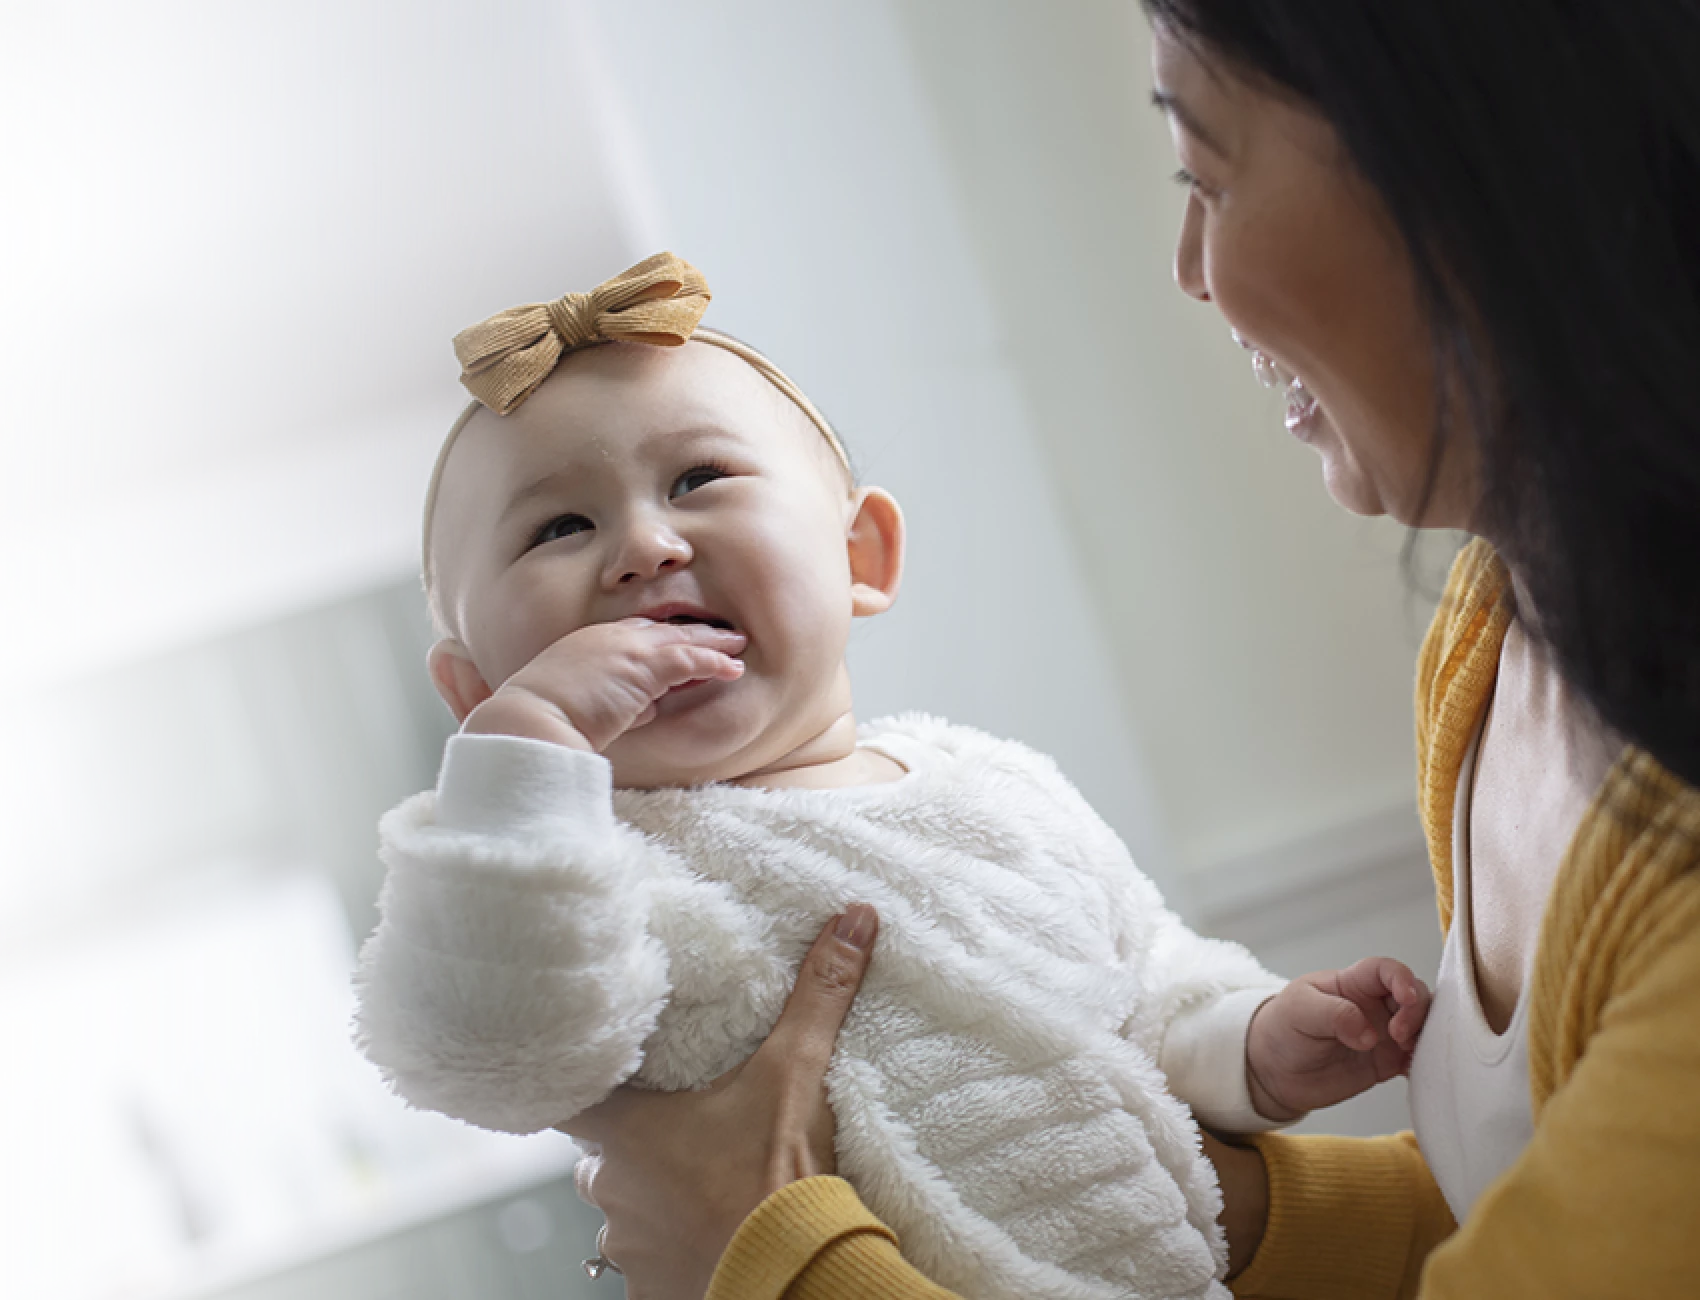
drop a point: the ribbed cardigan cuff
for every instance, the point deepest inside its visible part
(1344, 1217)
(864, 1266)
(802, 1225)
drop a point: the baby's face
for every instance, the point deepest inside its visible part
(663, 483)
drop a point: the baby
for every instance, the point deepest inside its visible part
(645, 549)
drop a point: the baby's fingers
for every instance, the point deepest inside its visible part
(723, 639)
(1374, 980)
(1321, 1014)
(1352, 1027)
(1412, 1011)
(674, 665)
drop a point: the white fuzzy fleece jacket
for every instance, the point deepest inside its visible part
(999, 1084)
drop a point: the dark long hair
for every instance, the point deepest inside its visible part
(1542, 160)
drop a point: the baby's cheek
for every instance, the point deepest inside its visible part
(522, 623)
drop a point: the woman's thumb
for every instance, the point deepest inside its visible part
(808, 1028)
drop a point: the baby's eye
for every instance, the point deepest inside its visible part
(561, 526)
(694, 478)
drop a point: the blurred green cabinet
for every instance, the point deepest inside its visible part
(526, 1246)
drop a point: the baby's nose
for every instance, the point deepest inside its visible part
(652, 551)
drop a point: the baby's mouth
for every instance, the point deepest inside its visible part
(1301, 404)
(723, 624)
(678, 613)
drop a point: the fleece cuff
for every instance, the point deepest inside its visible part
(1203, 1058)
(510, 785)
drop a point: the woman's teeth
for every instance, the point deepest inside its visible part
(1301, 405)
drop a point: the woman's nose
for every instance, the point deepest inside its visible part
(1189, 252)
(648, 548)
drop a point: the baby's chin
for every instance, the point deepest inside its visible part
(696, 737)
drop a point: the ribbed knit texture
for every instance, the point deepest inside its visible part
(1603, 1201)
(1362, 1190)
(862, 1265)
(770, 1250)
(1455, 674)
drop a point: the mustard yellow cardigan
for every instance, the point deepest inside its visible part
(1605, 1200)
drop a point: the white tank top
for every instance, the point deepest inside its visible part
(1469, 1086)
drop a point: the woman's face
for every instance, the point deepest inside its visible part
(1293, 247)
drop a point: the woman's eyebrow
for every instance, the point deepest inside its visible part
(1173, 107)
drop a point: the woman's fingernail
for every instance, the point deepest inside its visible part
(856, 926)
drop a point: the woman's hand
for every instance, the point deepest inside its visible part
(676, 1173)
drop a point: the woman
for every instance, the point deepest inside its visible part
(1472, 232)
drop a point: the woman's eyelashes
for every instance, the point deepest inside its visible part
(1186, 180)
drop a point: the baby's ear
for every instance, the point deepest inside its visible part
(876, 552)
(457, 678)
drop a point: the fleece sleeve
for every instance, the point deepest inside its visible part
(1203, 1058)
(511, 980)
(1204, 993)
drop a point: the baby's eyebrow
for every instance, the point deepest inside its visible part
(547, 485)
(663, 438)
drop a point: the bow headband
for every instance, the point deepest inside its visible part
(659, 301)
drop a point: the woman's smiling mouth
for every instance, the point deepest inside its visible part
(1302, 406)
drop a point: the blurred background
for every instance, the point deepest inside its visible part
(236, 240)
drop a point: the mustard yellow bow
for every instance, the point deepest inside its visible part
(505, 358)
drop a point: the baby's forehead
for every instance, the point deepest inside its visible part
(626, 395)
(605, 404)
(629, 400)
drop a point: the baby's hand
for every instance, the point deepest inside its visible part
(593, 685)
(1334, 1034)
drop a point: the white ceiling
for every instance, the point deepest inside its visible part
(272, 214)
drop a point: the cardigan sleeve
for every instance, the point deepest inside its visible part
(814, 1240)
(1349, 1219)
